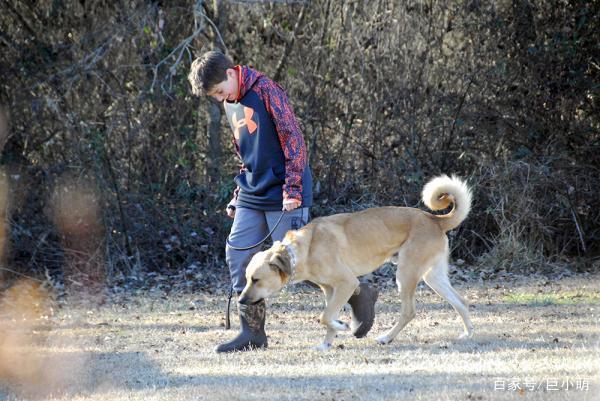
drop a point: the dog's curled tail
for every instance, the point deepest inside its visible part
(443, 191)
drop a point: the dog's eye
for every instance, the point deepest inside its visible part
(254, 280)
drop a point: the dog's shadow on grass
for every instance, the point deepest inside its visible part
(484, 343)
(349, 385)
(70, 374)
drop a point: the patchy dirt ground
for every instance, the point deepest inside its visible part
(535, 339)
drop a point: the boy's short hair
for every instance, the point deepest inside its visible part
(208, 70)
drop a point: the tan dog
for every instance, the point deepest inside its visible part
(333, 251)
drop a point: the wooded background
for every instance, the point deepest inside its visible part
(110, 167)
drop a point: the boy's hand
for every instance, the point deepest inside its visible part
(230, 211)
(291, 204)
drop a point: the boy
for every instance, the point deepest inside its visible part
(275, 176)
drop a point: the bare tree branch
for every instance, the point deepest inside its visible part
(289, 44)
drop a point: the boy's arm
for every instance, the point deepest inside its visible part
(233, 202)
(290, 137)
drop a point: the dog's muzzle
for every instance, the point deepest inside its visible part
(245, 300)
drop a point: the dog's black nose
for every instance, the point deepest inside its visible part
(243, 300)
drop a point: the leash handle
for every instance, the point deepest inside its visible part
(246, 248)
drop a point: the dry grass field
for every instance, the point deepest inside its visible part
(535, 339)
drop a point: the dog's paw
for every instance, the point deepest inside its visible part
(383, 340)
(466, 335)
(322, 347)
(339, 325)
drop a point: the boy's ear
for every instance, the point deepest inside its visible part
(230, 72)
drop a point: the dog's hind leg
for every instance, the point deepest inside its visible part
(437, 279)
(407, 279)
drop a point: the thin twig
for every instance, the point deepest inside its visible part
(21, 274)
(203, 14)
(578, 230)
(183, 47)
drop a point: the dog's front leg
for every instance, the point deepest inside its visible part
(339, 296)
(327, 343)
(328, 291)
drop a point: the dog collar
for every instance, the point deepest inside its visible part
(292, 255)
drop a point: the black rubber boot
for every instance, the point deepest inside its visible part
(363, 309)
(252, 334)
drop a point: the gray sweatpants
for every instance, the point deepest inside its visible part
(249, 227)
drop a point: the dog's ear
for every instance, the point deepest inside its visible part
(281, 261)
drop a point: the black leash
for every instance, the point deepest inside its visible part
(227, 321)
(261, 241)
(245, 248)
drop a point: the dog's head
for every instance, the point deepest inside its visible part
(266, 274)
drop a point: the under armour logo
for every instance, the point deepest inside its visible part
(245, 122)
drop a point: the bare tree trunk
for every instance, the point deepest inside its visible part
(213, 159)
(288, 46)
(213, 108)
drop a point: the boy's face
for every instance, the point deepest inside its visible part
(226, 90)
